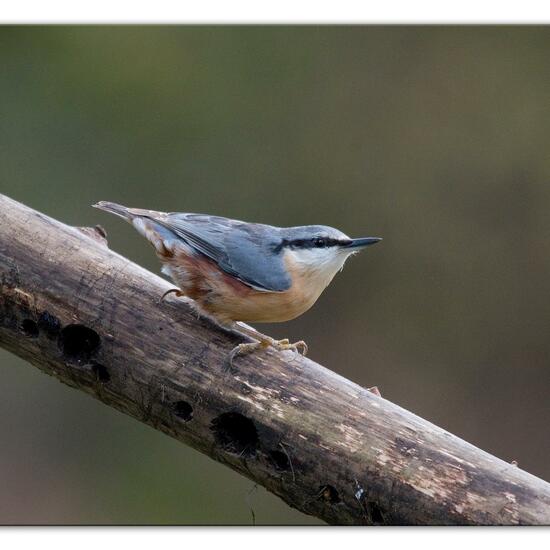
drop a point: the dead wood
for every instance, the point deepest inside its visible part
(326, 446)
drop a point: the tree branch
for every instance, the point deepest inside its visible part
(325, 445)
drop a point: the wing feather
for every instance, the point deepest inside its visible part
(246, 251)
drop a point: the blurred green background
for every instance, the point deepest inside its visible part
(435, 138)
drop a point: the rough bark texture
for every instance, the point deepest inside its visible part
(325, 445)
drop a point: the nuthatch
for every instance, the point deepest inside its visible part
(237, 271)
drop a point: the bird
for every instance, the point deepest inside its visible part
(238, 272)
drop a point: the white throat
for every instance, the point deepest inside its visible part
(318, 265)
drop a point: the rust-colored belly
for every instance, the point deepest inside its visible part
(261, 307)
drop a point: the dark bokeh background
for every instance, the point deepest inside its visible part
(437, 139)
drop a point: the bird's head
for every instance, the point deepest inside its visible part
(320, 250)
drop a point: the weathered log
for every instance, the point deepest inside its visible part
(326, 446)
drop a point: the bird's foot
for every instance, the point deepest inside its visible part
(175, 291)
(299, 347)
(265, 342)
(245, 349)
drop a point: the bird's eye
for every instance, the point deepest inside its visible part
(319, 242)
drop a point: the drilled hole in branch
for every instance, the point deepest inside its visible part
(329, 494)
(78, 342)
(279, 460)
(235, 433)
(183, 410)
(29, 328)
(49, 324)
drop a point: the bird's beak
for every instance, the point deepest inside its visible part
(361, 243)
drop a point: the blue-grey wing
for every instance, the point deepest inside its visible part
(250, 252)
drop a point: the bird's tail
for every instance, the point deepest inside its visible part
(114, 208)
(147, 222)
(129, 214)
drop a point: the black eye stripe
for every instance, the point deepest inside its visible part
(308, 244)
(316, 242)
(319, 242)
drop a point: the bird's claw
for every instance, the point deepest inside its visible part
(175, 291)
(245, 349)
(300, 348)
